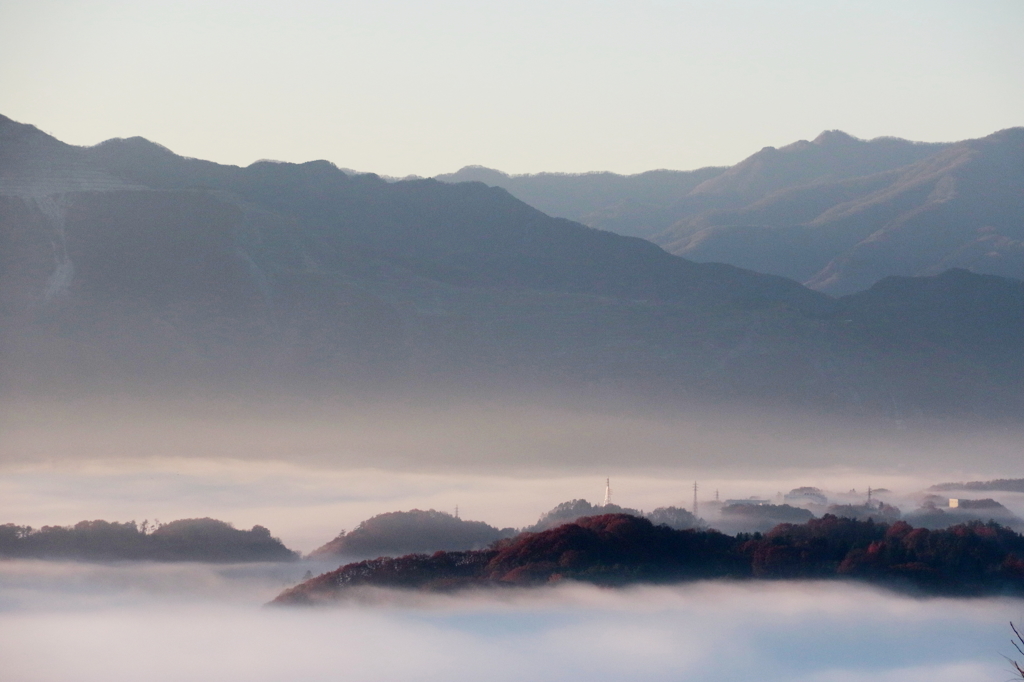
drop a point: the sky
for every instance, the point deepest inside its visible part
(400, 87)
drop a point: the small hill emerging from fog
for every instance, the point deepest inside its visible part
(759, 517)
(933, 516)
(207, 540)
(618, 549)
(417, 531)
(570, 511)
(407, 532)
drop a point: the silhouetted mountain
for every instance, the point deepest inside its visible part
(1013, 485)
(595, 199)
(881, 513)
(567, 512)
(932, 516)
(125, 265)
(646, 204)
(836, 213)
(960, 207)
(617, 549)
(736, 518)
(396, 533)
(675, 518)
(185, 540)
(830, 157)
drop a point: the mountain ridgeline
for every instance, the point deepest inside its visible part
(836, 213)
(124, 265)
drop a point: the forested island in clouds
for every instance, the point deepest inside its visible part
(127, 268)
(1015, 485)
(207, 540)
(618, 549)
(415, 531)
(411, 531)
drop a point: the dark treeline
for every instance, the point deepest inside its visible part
(1011, 485)
(618, 549)
(183, 540)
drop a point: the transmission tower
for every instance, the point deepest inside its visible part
(607, 492)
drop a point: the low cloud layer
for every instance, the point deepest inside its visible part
(308, 505)
(518, 435)
(206, 623)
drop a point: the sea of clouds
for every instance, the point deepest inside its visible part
(114, 623)
(307, 479)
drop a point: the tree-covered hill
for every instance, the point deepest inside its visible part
(618, 549)
(205, 539)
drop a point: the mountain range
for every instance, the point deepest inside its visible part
(125, 265)
(837, 213)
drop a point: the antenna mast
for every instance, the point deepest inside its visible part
(607, 492)
(695, 498)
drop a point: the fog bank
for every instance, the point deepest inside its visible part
(513, 434)
(306, 505)
(156, 625)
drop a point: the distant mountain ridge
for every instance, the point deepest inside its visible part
(1015, 485)
(836, 213)
(583, 196)
(124, 265)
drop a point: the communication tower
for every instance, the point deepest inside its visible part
(607, 492)
(695, 498)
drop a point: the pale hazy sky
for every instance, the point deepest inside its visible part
(401, 87)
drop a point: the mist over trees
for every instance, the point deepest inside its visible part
(1015, 485)
(570, 511)
(407, 532)
(617, 549)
